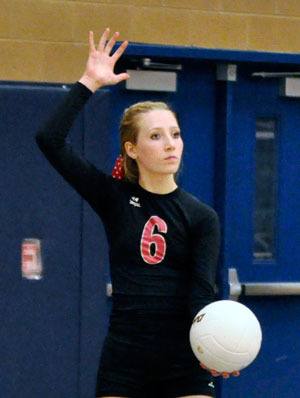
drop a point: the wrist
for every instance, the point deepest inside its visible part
(90, 83)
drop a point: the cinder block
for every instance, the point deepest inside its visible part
(5, 16)
(138, 3)
(91, 1)
(160, 25)
(21, 60)
(43, 40)
(63, 62)
(218, 30)
(204, 5)
(249, 6)
(94, 17)
(274, 34)
(288, 7)
(42, 20)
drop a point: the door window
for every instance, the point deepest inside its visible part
(265, 189)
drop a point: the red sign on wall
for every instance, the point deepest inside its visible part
(31, 259)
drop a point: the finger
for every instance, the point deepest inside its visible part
(103, 39)
(203, 366)
(91, 42)
(235, 373)
(225, 375)
(117, 54)
(122, 76)
(214, 372)
(111, 42)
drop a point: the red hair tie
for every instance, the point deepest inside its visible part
(118, 171)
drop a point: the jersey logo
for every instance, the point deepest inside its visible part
(135, 201)
(211, 384)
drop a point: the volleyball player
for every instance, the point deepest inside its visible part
(163, 242)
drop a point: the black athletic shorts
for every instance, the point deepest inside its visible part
(148, 355)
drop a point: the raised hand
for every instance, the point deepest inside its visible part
(100, 65)
(225, 375)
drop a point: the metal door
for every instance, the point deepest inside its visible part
(261, 232)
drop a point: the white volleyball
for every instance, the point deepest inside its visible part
(225, 336)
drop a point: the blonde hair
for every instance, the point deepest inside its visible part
(129, 128)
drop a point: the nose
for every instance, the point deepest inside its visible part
(169, 143)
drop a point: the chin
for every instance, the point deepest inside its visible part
(170, 170)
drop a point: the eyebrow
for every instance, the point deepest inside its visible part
(161, 128)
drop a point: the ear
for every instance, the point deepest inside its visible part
(130, 149)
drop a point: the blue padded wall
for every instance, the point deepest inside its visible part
(40, 319)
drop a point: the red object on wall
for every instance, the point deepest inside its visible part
(31, 259)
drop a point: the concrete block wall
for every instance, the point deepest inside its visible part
(46, 40)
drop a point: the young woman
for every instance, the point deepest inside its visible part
(164, 243)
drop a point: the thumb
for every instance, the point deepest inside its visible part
(122, 76)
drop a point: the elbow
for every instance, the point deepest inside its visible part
(40, 141)
(45, 142)
(38, 137)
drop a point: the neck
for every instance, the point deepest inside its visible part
(161, 184)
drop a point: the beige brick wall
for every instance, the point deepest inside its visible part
(45, 40)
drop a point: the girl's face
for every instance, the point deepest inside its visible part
(159, 145)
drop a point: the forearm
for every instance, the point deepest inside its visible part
(90, 83)
(54, 132)
(206, 246)
(198, 301)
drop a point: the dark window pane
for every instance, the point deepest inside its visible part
(266, 188)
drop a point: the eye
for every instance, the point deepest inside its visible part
(176, 134)
(155, 136)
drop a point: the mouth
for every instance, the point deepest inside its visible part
(171, 158)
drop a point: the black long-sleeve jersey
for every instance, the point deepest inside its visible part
(162, 247)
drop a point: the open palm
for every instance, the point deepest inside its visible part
(100, 64)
